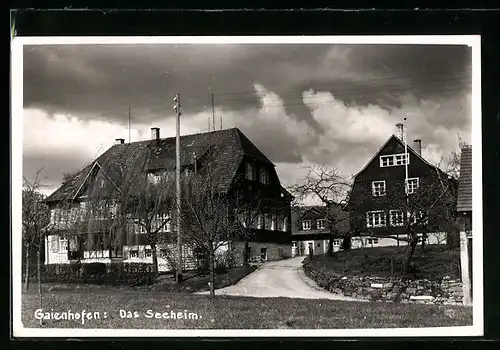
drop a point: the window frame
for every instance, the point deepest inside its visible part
(393, 159)
(373, 212)
(381, 194)
(372, 241)
(304, 228)
(264, 176)
(322, 226)
(391, 221)
(414, 188)
(249, 171)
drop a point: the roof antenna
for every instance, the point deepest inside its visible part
(221, 122)
(129, 137)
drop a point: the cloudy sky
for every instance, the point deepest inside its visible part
(300, 104)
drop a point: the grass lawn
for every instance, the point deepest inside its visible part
(225, 312)
(436, 261)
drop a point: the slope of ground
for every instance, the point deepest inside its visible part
(434, 262)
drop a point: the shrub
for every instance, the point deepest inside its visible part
(131, 274)
(94, 269)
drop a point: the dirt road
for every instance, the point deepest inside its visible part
(284, 278)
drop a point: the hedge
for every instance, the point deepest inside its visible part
(99, 273)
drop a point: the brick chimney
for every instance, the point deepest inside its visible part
(400, 130)
(417, 145)
(155, 134)
(119, 141)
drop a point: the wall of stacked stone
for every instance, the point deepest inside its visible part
(444, 291)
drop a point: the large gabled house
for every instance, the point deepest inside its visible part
(227, 155)
(395, 189)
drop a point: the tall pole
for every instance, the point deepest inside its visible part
(213, 113)
(221, 122)
(406, 159)
(177, 108)
(129, 116)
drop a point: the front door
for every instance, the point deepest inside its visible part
(310, 248)
(263, 254)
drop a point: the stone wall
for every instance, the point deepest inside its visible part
(390, 289)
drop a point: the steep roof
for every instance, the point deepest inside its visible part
(410, 150)
(227, 148)
(464, 199)
(319, 211)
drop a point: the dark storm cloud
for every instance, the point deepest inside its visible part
(105, 79)
(100, 82)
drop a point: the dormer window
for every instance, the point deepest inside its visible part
(249, 171)
(320, 224)
(306, 225)
(264, 176)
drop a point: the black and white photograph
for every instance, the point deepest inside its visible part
(247, 186)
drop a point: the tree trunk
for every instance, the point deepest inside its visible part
(39, 275)
(424, 238)
(412, 244)
(346, 242)
(246, 258)
(27, 267)
(330, 246)
(154, 254)
(212, 272)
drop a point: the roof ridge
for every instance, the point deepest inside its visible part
(181, 136)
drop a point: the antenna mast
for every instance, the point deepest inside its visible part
(213, 112)
(407, 158)
(129, 137)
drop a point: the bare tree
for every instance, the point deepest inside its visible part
(331, 188)
(213, 219)
(35, 218)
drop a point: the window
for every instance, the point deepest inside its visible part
(378, 188)
(63, 244)
(279, 223)
(412, 185)
(418, 218)
(320, 224)
(268, 221)
(372, 241)
(154, 178)
(148, 253)
(375, 218)
(400, 158)
(260, 221)
(264, 176)
(336, 242)
(101, 183)
(249, 171)
(140, 228)
(54, 243)
(318, 245)
(396, 217)
(386, 161)
(164, 222)
(394, 160)
(306, 224)
(134, 253)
